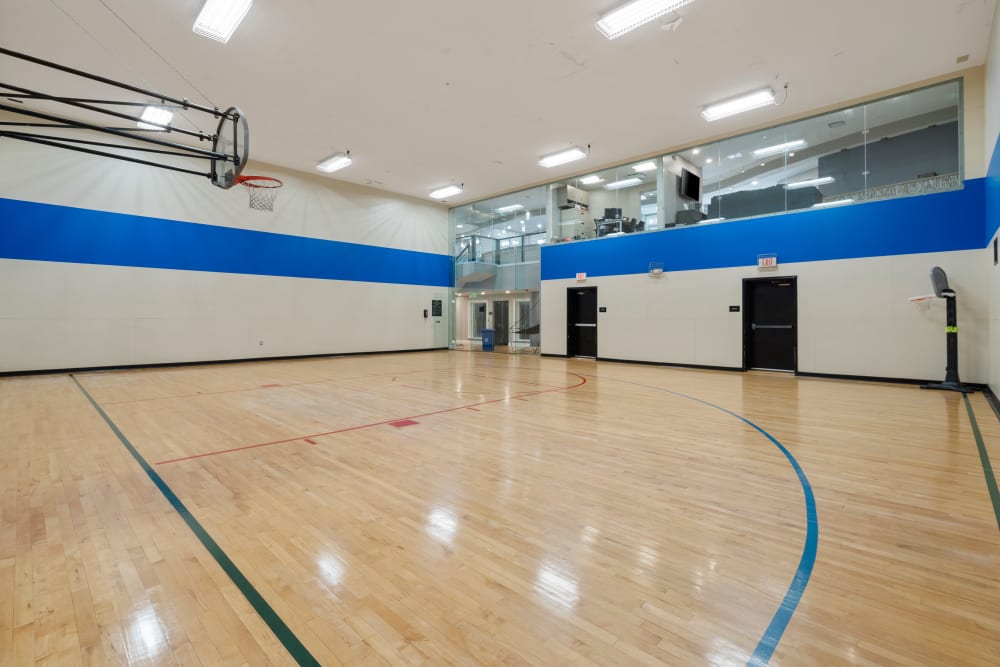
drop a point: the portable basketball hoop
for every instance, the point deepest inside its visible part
(263, 191)
(939, 281)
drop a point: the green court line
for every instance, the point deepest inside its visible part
(295, 647)
(984, 458)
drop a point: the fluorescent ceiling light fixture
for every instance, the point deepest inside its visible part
(835, 202)
(741, 104)
(645, 166)
(562, 157)
(335, 162)
(590, 180)
(624, 183)
(812, 181)
(157, 115)
(777, 149)
(510, 209)
(636, 13)
(445, 192)
(219, 19)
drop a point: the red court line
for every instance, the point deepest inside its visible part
(237, 391)
(582, 382)
(537, 384)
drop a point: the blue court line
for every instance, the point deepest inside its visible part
(284, 634)
(776, 628)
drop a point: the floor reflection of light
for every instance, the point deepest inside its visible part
(647, 556)
(724, 653)
(145, 636)
(557, 586)
(331, 569)
(442, 525)
(589, 534)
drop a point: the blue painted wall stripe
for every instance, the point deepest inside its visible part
(45, 232)
(992, 197)
(939, 222)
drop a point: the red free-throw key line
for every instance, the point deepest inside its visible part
(582, 382)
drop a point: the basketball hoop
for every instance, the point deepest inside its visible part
(923, 301)
(263, 191)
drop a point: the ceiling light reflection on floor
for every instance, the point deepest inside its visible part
(557, 586)
(442, 524)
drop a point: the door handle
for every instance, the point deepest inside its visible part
(770, 326)
(581, 324)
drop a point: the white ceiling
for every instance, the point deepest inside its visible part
(439, 91)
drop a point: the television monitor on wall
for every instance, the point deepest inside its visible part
(612, 214)
(689, 186)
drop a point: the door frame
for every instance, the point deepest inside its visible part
(494, 312)
(747, 318)
(571, 326)
(472, 317)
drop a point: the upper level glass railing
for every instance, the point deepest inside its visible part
(904, 145)
(499, 251)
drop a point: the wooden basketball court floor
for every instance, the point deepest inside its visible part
(452, 508)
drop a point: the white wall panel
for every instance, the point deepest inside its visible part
(107, 316)
(853, 317)
(307, 205)
(993, 88)
(63, 315)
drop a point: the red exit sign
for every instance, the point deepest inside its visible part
(767, 261)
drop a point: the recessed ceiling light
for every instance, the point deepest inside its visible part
(645, 166)
(509, 209)
(777, 149)
(218, 19)
(624, 183)
(835, 202)
(335, 162)
(753, 182)
(157, 115)
(731, 107)
(696, 151)
(634, 14)
(823, 180)
(708, 160)
(590, 180)
(445, 192)
(459, 226)
(563, 157)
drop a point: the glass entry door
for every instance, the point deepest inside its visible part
(477, 320)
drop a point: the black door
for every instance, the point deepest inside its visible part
(770, 335)
(581, 321)
(501, 323)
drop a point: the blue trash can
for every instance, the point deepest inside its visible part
(488, 339)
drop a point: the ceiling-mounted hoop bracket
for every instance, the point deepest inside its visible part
(230, 142)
